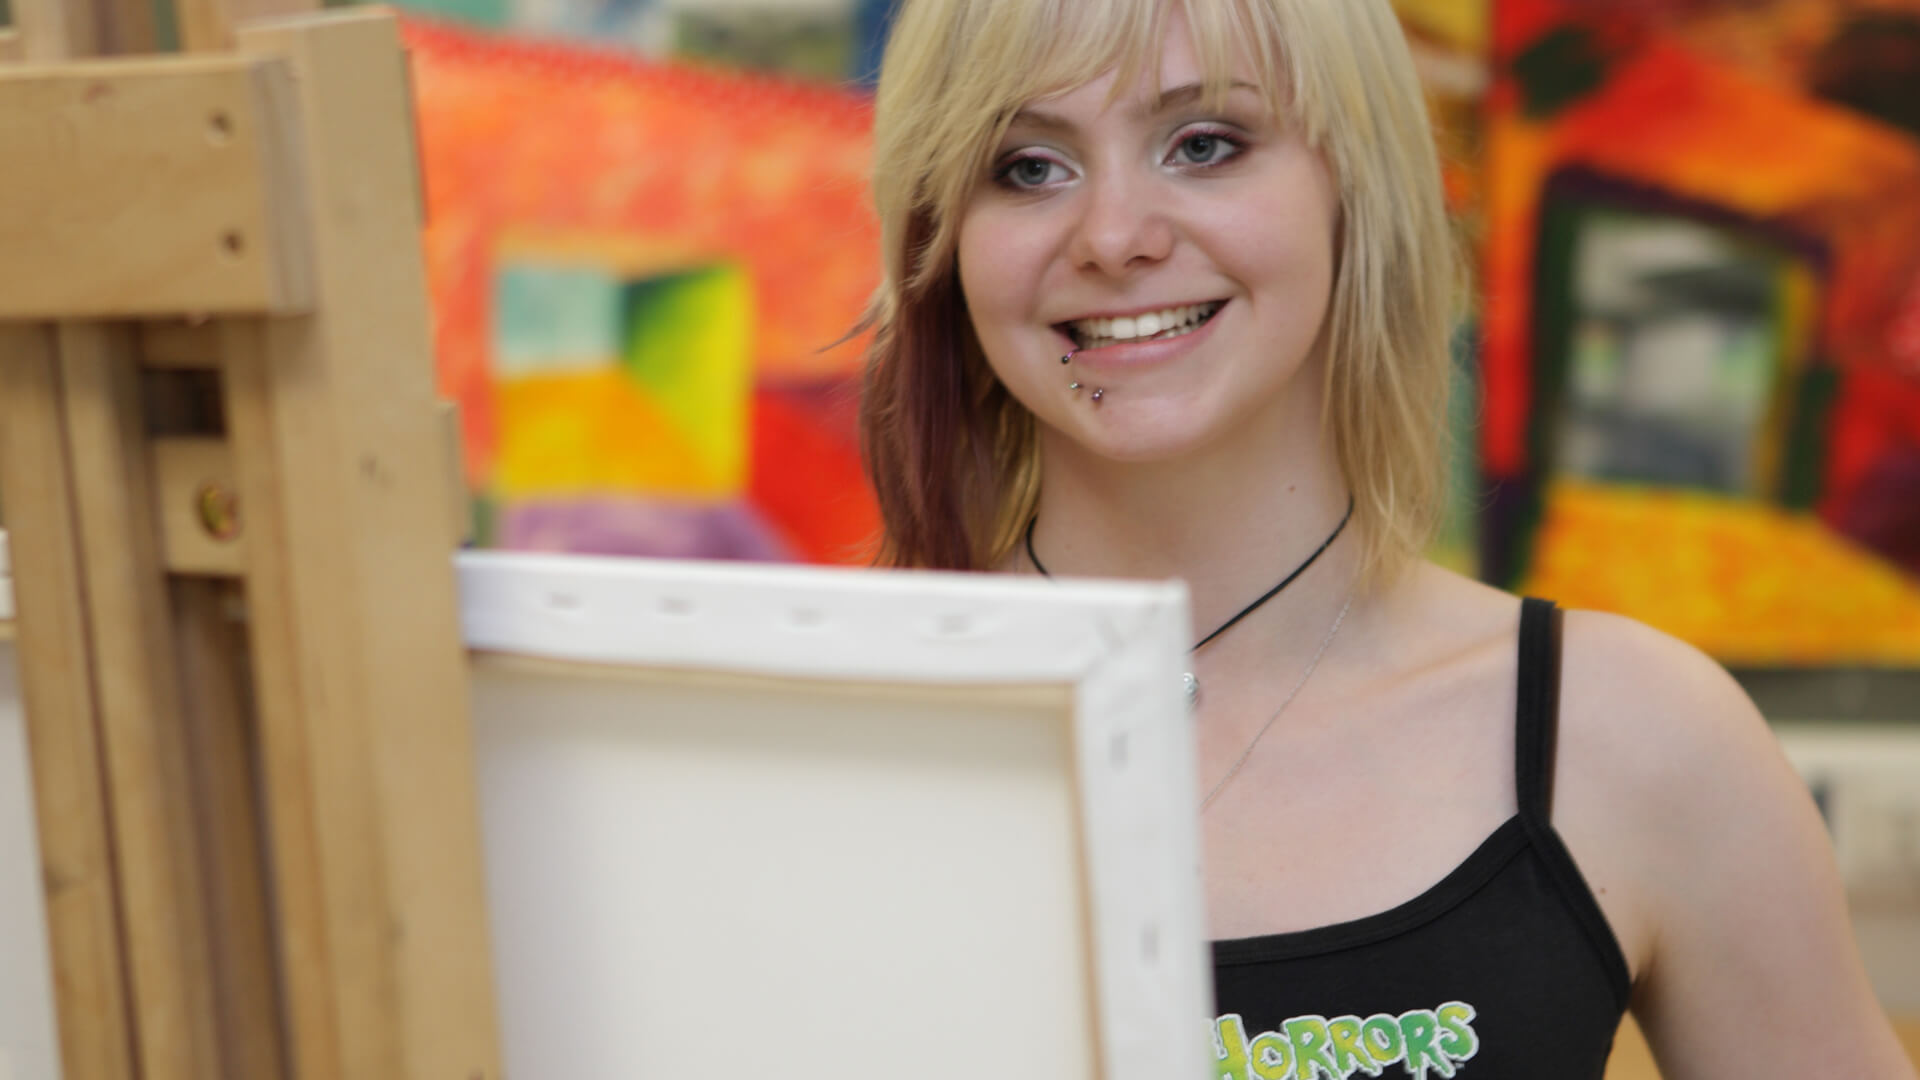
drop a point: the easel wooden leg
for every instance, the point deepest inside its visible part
(139, 706)
(91, 995)
(356, 438)
(318, 959)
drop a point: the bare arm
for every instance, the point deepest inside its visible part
(1747, 966)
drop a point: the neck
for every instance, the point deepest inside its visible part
(1230, 520)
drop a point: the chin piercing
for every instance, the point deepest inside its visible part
(1076, 385)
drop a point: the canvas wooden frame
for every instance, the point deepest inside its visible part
(1106, 657)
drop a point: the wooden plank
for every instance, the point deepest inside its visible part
(143, 733)
(382, 669)
(161, 187)
(91, 997)
(127, 27)
(211, 644)
(53, 30)
(207, 25)
(311, 881)
(196, 494)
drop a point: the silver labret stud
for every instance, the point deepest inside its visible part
(1098, 394)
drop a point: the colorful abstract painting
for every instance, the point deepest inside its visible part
(1701, 368)
(644, 275)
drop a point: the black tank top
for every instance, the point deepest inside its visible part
(1505, 970)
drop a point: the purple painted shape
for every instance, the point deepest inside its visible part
(642, 527)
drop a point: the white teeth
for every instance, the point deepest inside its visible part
(1172, 322)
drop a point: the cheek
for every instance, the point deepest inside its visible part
(1002, 263)
(982, 281)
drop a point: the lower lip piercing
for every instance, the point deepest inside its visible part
(1076, 386)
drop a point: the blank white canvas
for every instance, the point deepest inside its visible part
(820, 824)
(670, 882)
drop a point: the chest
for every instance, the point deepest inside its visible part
(1358, 805)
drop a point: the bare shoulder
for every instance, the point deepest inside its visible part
(1660, 721)
(1697, 839)
(1676, 797)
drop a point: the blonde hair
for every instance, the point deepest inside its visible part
(952, 455)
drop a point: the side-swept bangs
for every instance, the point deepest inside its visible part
(952, 456)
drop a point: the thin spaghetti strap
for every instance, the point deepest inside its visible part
(1537, 718)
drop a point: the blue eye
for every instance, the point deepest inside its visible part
(1207, 148)
(1026, 173)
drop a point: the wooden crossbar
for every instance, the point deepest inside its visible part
(152, 187)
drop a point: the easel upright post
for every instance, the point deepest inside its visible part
(315, 501)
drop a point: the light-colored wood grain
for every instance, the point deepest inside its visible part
(91, 997)
(126, 27)
(209, 24)
(211, 645)
(68, 28)
(379, 670)
(185, 470)
(310, 879)
(157, 848)
(52, 30)
(159, 187)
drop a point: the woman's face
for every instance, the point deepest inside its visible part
(1187, 255)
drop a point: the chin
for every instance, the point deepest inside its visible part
(1136, 436)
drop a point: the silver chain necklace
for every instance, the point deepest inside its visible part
(1191, 682)
(1291, 694)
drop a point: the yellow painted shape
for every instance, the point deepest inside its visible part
(598, 433)
(1747, 583)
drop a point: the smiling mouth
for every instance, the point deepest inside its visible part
(1153, 326)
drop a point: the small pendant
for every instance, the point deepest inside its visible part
(1193, 690)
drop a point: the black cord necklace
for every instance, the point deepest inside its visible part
(1193, 684)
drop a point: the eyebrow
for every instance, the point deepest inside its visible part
(1174, 98)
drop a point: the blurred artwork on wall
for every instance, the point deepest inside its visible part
(1448, 39)
(642, 274)
(1702, 320)
(829, 41)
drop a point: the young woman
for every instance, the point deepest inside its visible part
(1168, 292)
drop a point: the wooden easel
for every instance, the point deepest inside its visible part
(226, 479)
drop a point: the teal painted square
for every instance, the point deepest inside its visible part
(557, 318)
(483, 12)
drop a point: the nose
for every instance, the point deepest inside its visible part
(1123, 227)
